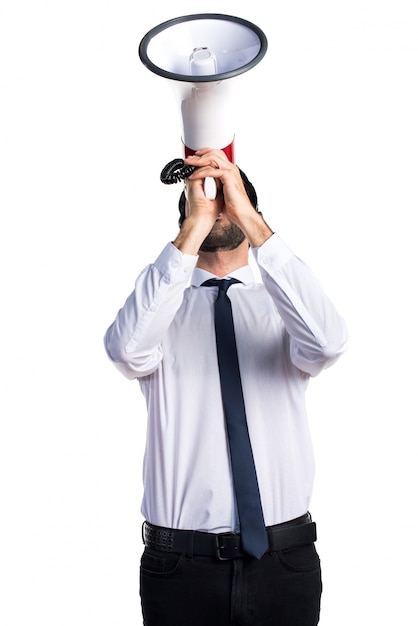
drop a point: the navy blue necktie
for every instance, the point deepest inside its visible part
(252, 528)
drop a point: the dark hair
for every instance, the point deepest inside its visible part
(249, 188)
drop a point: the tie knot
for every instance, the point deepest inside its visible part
(223, 284)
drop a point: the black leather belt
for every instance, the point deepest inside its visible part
(296, 532)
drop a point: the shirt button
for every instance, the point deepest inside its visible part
(174, 264)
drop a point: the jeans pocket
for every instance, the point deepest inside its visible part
(159, 564)
(300, 559)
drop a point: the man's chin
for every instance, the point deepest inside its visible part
(230, 239)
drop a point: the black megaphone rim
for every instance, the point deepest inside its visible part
(143, 47)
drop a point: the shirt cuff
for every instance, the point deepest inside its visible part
(174, 265)
(273, 253)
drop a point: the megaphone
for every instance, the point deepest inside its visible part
(200, 54)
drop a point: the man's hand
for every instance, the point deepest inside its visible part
(200, 214)
(232, 201)
(236, 204)
(211, 163)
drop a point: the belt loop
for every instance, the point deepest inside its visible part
(190, 545)
(143, 532)
(270, 538)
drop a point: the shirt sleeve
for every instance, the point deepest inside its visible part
(133, 341)
(318, 334)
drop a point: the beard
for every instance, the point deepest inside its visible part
(223, 238)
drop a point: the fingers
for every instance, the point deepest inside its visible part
(211, 163)
(196, 195)
(210, 153)
(208, 158)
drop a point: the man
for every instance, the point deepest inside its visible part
(197, 569)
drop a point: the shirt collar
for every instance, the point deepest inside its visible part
(243, 274)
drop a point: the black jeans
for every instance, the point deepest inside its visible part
(281, 589)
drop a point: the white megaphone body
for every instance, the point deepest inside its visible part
(200, 54)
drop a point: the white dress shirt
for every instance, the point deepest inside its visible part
(287, 330)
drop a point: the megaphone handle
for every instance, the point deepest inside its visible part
(210, 188)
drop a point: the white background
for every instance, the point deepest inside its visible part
(326, 128)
